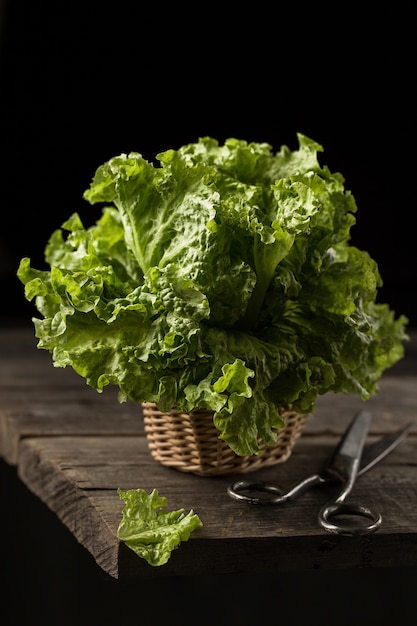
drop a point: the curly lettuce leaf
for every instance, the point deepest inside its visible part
(223, 278)
(148, 530)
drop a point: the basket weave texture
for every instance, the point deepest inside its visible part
(189, 442)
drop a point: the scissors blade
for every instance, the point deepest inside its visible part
(344, 463)
(381, 448)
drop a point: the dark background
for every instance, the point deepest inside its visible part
(82, 82)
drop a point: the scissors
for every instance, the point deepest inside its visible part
(348, 461)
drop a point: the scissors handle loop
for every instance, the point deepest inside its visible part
(328, 518)
(268, 492)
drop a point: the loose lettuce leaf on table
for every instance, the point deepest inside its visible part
(148, 530)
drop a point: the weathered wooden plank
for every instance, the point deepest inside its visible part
(74, 447)
(78, 479)
(66, 417)
(393, 405)
(43, 476)
(81, 410)
(30, 387)
(37, 399)
(69, 413)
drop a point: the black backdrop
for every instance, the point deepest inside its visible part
(80, 84)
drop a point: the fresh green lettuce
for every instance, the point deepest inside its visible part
(148, 530)
(221, 278)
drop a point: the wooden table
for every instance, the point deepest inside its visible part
(73, 448)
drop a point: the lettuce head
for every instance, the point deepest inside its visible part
(222, 277)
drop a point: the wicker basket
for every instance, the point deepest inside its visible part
(189, 442)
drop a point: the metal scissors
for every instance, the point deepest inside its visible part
(348, 461)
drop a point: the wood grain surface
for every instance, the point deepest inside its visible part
(74, 448)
